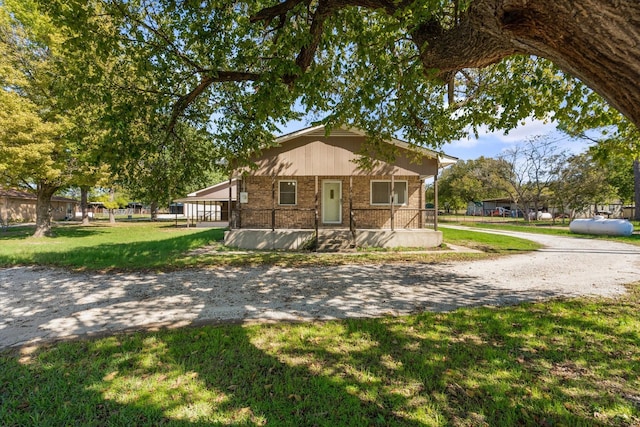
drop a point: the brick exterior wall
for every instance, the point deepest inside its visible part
(21, 210)
(369, 216)
(257, 213)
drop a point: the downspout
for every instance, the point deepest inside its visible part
(229, 210)
(240, 188)
(316, 215)
(273, 203)
(421, 204)
(435, 196)
(352, 224)
(393, 196)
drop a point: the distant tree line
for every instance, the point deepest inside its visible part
(536, 174)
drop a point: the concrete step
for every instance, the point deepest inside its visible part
(334, 240)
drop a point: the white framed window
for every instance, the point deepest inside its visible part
(381, 192)
(288, 192)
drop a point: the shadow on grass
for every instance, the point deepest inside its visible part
(59, 231)
(15, 233)
(121, 256)
(556, 363)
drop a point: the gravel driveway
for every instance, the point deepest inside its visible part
(39, 304)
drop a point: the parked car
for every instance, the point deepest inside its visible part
(499, 212)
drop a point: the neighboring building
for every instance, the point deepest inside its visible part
(311, 185)
(491, 204)
(20, 206)
(209, 205)
(610, 210)
(628, 212)
(506, 207)
(475, 209)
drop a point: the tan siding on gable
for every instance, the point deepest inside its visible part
(219, 192)
(313, 156)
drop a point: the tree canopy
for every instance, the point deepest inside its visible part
(36, 150)
(466, 181)
(157, 74)
(423, 68)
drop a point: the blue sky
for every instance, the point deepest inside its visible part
(491, 144)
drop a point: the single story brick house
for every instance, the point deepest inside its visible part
(20, 206)
(310, 185)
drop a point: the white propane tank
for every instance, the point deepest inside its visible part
(601, 225)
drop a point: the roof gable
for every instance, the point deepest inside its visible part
(214, 190)
(216, 193)
(311, 152)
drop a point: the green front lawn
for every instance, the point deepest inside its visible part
(121, 246)
(146, 245)
(557, 229)
(565, 362)
(487, 242)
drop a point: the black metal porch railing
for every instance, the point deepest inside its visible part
(360, 218)
(369, 218)
(278, 218)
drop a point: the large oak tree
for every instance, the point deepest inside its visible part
(427, 69)
(414, 62)
(35, 149)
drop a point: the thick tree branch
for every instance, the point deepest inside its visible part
(269, 13)
(215, 77)
(597, 41)
(308, 52)
(474, 42)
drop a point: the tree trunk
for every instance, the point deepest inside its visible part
(597, 41)
(43, 209)
(636, 187)
(154, 210)
(112, 198)
(84, 204)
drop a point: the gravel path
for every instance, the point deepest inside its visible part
(40, 304)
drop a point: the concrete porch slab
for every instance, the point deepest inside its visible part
(289, 240)
(298, 239)
(406, 238)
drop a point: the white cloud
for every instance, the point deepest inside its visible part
(528, 129)
(492, 143)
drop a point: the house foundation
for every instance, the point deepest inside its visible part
(289, 239)
(422, 238)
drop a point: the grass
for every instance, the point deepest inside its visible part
(544, 227)
(99, 247)
(563, 362)
(161, 246)
(488, 242)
